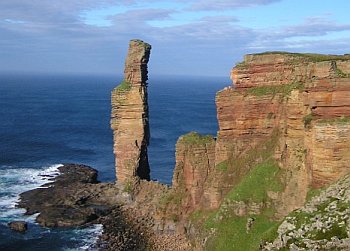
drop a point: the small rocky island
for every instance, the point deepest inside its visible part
(276, 176)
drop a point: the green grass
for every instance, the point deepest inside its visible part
(222, 166)
(271, 234)
(312, 193)
(264, 175)
(284, 90)
(140, 42)
(254, 186)
(240, 64)
(172, 197)
(341, 74)
(195, 138)
(124, 86)
(255, 173)
(301, 217)
(241, 165)
(128, 187)
(304, 218)
(335, 230)
(343, 120)
(307, 120)
(231, 233)
(313, 57)
(196, 215)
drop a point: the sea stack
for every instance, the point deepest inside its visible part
(130, 120)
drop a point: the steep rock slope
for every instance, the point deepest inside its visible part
(322, 224)
(283, 129)
(305, 98)
(129, 120)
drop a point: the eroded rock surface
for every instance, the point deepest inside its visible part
(283, 129)
(129, 120)
(74, 198)
(322, 224)
(195, 161)
(304, 98)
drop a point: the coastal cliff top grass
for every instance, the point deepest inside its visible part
(314, 57)
(195, 138)
(310, 57)
(140, 42)
(124, 86)
(285, 90)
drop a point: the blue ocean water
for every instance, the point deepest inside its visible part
(49, 120)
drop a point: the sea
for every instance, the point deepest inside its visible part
(48, 120)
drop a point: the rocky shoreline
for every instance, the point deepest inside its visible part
(75, 198)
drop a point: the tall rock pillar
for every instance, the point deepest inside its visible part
(129, 120)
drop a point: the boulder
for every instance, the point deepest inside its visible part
(18, 226)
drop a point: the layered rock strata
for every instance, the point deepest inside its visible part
(306, 97)
(195, 160)
(129, 120)
(302, 98)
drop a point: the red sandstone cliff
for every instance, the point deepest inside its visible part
(304, 99)
(284, 128)
(129, 120)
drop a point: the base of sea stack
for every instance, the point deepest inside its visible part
(75, 198)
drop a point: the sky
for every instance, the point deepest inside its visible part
(188, 37)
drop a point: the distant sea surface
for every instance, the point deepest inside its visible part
(50, 120)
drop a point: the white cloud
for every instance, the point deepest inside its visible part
(314, 35)
(210, 5)
(41, 35)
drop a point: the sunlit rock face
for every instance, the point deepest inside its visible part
(302, 98)
(312, 114)
(129, 120)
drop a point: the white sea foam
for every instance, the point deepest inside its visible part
(87, 237)
(16, 180)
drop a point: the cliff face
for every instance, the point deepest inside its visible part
(129, 120)
(302, 98)
(312, 116)
(195, 161)
(284, 129)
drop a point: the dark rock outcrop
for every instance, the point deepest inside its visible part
(74, 198)
(18, 226)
